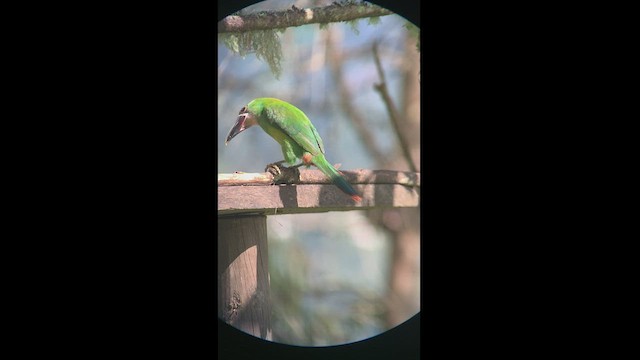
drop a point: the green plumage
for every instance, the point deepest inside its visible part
(289, 126)
(295, 133)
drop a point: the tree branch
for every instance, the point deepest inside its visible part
(269, 20)
(393, 113)
(335, 61)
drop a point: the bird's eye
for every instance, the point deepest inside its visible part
(244, 109)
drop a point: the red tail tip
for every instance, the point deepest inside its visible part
(356, 198)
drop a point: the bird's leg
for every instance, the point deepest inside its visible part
(306, 161)
(282, 174)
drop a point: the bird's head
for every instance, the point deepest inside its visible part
(245, 120)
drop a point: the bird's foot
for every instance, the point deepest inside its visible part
(274, 168)
(282, 174)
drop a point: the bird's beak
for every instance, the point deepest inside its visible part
(237, 128)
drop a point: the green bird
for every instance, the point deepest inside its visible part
(293, 130)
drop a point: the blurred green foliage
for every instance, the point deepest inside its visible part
(318, 312)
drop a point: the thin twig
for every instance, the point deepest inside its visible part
(393, 113)
(346, 102)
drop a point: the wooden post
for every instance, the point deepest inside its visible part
(244, 200)
(243, 274)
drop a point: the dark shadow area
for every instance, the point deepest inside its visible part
(243, 318)
(263, 292)
(288, 195)
(288, 192)
(332, 196)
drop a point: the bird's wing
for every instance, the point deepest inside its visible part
(293, 122)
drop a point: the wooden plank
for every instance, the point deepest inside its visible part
(360, 176)
(242, 178)
(289, 199)
(309, 190)
(243, 274)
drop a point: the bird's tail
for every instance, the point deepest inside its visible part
(321, 163)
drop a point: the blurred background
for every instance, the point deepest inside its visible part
(336, 277)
